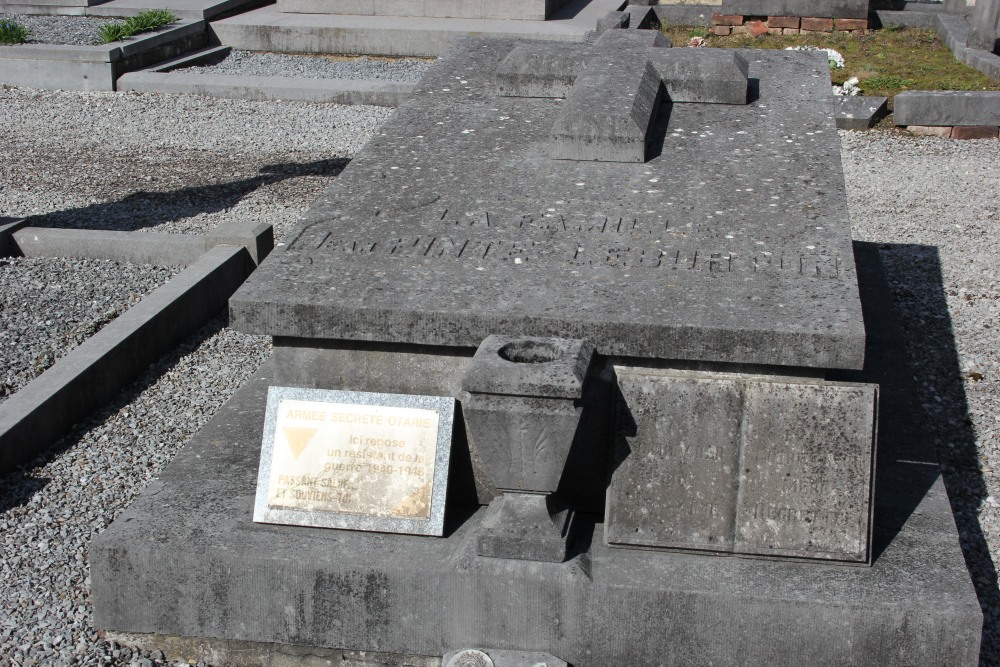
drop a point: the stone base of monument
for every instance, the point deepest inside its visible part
(186, 560)
(526, 527)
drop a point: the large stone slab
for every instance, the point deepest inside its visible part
(731, 244)
(742, 464)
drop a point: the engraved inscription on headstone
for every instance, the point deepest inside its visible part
(682, 484)
(742, 464)
(806, 475)
(354, 460)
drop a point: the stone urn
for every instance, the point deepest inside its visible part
(522, 402)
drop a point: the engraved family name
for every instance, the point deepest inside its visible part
(639, 254)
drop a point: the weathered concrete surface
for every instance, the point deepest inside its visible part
(143, 247)
(839, 9)
(859, 112)
(267, 29)
(688, 256)
(64, 67)
(751, 465)
(983, 26)
(91, 374)
(954, 29)
(188, 544)
(519, 10)
(337, 91)
(926, 107)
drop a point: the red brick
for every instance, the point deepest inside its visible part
(783, 21)
(721, 30)
(852, 24)
(741, 30)
(790, 31)
(817, 25)
(757, 28)
(974, 132)
(723, 19)
(776, 31)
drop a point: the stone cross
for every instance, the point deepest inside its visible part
(614, 87)
(983, 33)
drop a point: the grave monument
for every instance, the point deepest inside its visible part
(629, 268)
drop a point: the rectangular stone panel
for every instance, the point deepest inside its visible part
(676, 469)
(806, 477)
(744, 464)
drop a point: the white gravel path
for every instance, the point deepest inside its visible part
(175, 163)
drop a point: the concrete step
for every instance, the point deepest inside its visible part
(185, 9)
(267, 29)
(523, 10)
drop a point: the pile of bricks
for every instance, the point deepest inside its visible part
(723, 24)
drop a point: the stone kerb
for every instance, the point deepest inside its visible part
(91, 374)
(63, 67)
(979, 108)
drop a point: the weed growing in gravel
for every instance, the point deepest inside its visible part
(13, 33)
(141, 22)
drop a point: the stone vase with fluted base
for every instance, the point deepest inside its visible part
(522, 403)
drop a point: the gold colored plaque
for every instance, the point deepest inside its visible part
(378, 463)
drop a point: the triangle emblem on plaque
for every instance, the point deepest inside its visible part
(298, 438)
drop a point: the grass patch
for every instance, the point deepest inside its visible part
(142, 22)
(885, 61)
(13, 33)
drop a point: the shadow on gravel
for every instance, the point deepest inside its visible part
(921, 308)
(141, 210)
(18, 487)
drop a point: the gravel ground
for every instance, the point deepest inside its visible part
(73, 30)
(130, 161)
(248, 63)
(48, 306)
(933, 205)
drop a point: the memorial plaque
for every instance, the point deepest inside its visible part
(356, 460)
(742, 464)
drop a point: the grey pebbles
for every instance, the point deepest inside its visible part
(177, 163)
(71, 30)
(181, 163)
(933, 205)
(48, 306)
(248, 63)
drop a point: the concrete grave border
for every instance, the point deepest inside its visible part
(162, 78)
(64, 67)
(91, 374)
(954, 30)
